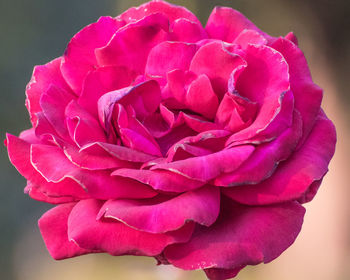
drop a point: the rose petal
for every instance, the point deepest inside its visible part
(144, 98)
(131, 45)
(168, 56)
(208, 167)
(52, 164)
(187, 31)
(174, 93)
(242, 235)
(307, 95)
(226, 24)
(218, 68)
(43, 76)
(235, 112)
(173, 12)
(53, 103)
(294, 176)
(160, 179)
(19, 154)
(270, 73)
(265, 159)
(201, 97)
(249, 36)
(163, 214)
(114, 237)
(221, 274)
(37, 193)
(79, 57)
(291, 37)
(101, 81)
(81, 123)
(117, 151)
(53, 227)
(94, 161)
(198, 123)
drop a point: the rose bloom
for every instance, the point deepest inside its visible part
(158, 137)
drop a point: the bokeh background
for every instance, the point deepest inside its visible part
(36, 31)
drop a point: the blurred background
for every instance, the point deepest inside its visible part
(36, 31)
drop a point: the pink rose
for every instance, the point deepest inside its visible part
(158, 137)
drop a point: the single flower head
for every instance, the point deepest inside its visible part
(159, 137)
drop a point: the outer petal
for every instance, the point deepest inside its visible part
(294, 176)
(19, 154)
(37, 193)
(95, 160)
(222, 274)
(79, 57)
(307, 95)
(53, 227)
(43, 76)
(208, 167)
(226, 24)
(249, 36)
(119, 152)
(242, 235)
(114, 237)
(131, 45)
(52, 164)
(187, 31)
(173, 12)
(265, 159)
(160, 179)
(163, 214)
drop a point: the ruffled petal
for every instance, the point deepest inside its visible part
(296, 175)
(208, 167)
(114, 237)
(53, 227)
(201, 97)
(226, 24)
(131, 45)
(160, 179)
(162, 214)
(265, 159)
(171, 11)
(168, 56)
(270, 73)
(187, 31)
(307, 95)
(81, 123)
(95, 160)
(222, 274)
(249, 36)
(79, 57)
(144, 99)
(242, 235)
(53, 103)
(43, 77)
(101, 81)
(52, 164)
(219, 67)
(117, 151)
(19, 154)
(37, 193)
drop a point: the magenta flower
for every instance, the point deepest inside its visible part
(158, 137)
